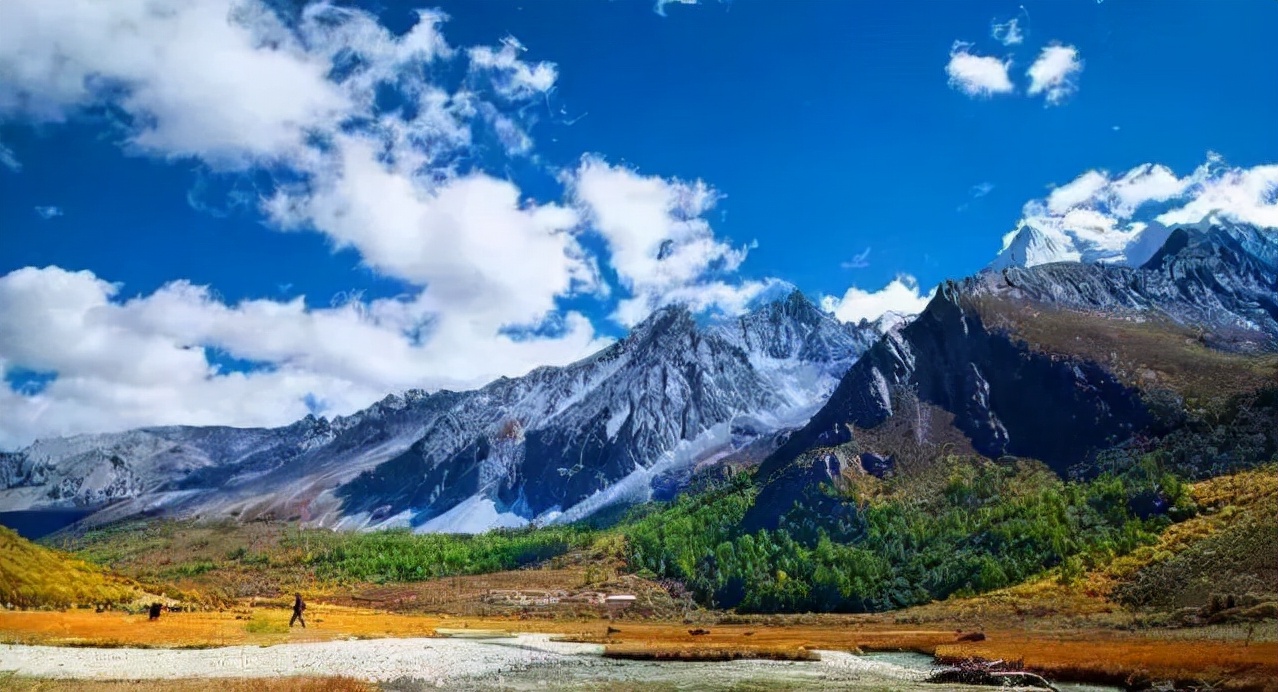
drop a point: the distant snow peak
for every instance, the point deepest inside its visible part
(1029, 246)
(1125, 218)
(1036, 243)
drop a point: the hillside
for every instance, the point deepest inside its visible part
(1069, 364)
(32, 576)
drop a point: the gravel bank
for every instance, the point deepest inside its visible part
(441, 660)
(528, 661)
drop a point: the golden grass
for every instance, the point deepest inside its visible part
(260, 625)
(1109, 657)
(33, 576)
(685, 654)
(1224, 501)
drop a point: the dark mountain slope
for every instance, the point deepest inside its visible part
(1013, 355)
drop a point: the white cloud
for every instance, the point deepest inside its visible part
(122, 364)
(1100, 217)
(981, 189)
(49, 212)
(901, 295)
(511, 77)
(168, 66)
(859, 261)
(8, 159)
(485, 266)
(1244, 195)
(660, 245)
(471, 240)
(1077, 191)
(977, 75)
(1055, 73)
(1143, 184)
(1008, 33)
(660, 7)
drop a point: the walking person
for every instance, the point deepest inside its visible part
(298, 606)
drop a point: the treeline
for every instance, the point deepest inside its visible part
(398, 555)
(991, 526)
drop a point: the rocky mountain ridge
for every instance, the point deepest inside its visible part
(963, 356)
(555, 444)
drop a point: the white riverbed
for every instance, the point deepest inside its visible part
(527, 661)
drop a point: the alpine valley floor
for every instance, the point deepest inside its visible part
(1068, 630)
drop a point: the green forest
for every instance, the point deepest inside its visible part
(900, 542)
(989, 526)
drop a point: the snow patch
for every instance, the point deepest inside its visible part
(615, 422)
(474, 515)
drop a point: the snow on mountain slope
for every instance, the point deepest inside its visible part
(1030, 247)
(555, 444)
(1088, 239)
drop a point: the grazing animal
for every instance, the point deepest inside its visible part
(154, 611)
(972, 637)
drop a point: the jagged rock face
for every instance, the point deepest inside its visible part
(1010, 399)
(557, 440)
(581, 428)
(794, 328)
(1006, 399)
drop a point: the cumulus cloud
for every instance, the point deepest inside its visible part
(485, 267)
(660, 244)
(165, 65)
(1008, 33)
(977, 75)
(1055, 73)
(1123, 218)
(901, 295)
(1244, 195)
(475, 244)
(142, 361)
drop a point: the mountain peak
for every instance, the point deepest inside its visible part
(1031, 247)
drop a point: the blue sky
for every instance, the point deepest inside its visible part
(243, 211)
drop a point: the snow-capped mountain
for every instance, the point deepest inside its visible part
(1033, 244)
(555, 444)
